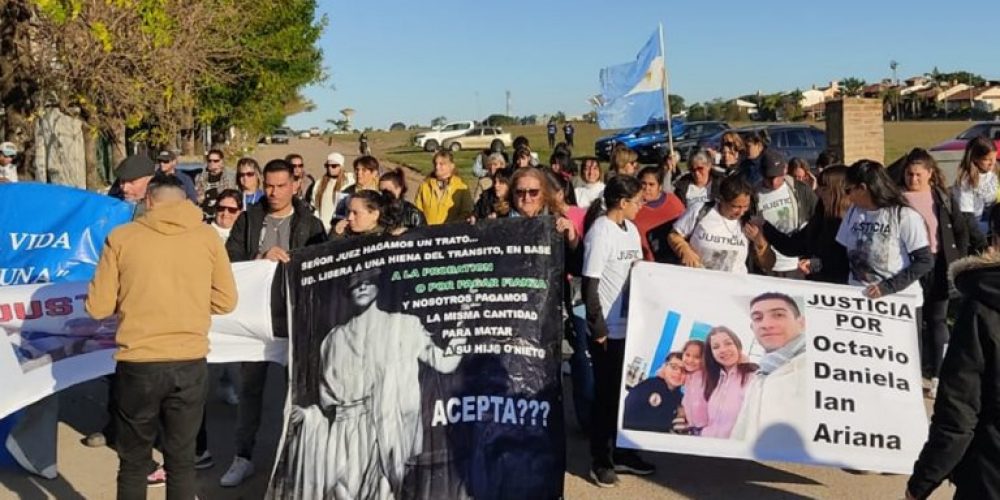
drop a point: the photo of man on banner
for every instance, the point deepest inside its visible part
(777, 392)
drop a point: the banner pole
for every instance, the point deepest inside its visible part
(666, 95)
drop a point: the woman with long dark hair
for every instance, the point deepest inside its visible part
(714, 235)
(394, 182)
(726, 378)
(886, 239)
(370, 212)
(611, 247)
(948, 234)
(820, 257)
(976, 186)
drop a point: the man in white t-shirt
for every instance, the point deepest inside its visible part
(785, 203)
(8, 170)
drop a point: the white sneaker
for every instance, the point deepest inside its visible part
(932, 392)
(237, 473)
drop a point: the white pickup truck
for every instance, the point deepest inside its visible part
(434, 138)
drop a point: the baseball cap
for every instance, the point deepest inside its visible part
(134, 167)
(8, 149)
(335, 159)
(772, 164)
(166, 156)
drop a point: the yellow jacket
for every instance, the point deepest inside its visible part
(453, 204)
(164, 274)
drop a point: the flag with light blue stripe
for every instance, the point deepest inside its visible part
(632, 93)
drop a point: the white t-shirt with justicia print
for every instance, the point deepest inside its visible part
(718, 241)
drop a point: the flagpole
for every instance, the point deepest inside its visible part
(666, 96)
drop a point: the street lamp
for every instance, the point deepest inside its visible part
(893, 65)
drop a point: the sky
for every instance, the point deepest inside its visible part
(392, 60)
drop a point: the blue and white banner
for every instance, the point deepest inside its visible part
(632, 93)
(53, 233)
(50, 241)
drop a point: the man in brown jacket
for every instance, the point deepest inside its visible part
(164, 275)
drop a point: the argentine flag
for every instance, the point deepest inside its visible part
(632, 93)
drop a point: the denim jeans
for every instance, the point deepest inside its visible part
(165, 399)
(582, 373)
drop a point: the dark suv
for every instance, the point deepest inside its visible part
(685, 144)
(790, 139)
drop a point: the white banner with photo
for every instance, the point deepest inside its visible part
(49, 343)
(762, 368)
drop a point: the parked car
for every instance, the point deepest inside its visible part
(433, 139)
(315, 132)
(280, 136)
(481, 138)
(637, 137)
(685, 144)
(790, 139)
(948, 154)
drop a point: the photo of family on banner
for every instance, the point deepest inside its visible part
(769, 369)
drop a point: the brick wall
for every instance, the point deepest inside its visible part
(854, 129)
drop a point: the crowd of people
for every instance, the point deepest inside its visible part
(744, 209)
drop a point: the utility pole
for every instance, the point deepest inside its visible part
(508, 102)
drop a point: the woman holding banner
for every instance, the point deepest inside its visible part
(714, 236)
(370, 212)
(886, 240)
(727, 376)
(611, 247)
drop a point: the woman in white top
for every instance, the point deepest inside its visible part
(886, 240)
(329, 191)
(593, 188)
(610, 247)
(228, 204)
(976, 187)
(714, 235)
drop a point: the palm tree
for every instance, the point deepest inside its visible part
(853, 87)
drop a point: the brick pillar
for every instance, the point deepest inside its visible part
(854, 129)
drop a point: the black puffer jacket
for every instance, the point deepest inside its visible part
(953, 244)
(964, 440)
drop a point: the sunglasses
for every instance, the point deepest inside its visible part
(530, 193)
(214, 160)
(246, 174)
(333, 165)
(296, 165)
(230, 210)
(729, 144)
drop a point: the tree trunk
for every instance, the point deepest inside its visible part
(17, 87)
(187, 142)
(94, 180)
(117, 140)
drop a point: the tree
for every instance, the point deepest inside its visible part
(590, 117)
(529, 120)
(278, 56)
(130, 64)
(498, 120)
(676, 103)
(397, 126)
(559, 117)
(438, 121)
(697, 112)
(791, 106)
(852, 87)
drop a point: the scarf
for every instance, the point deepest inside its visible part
(778, 358)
